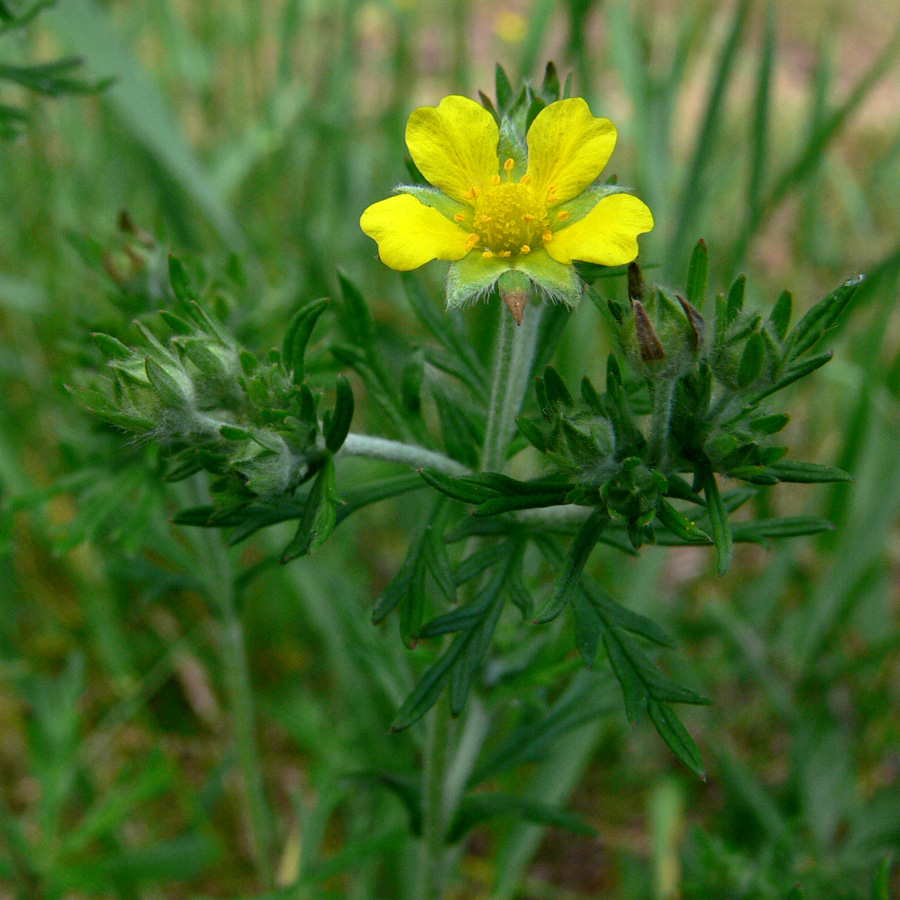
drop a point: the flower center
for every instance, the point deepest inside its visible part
(510, 219)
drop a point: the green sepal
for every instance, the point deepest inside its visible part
(170, 391)
(511, 146)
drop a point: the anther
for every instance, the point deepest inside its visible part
(468, 195)
(505, 253)
(528, 217)
(487, 254)
(525, 249)
(460, 217)
(526, 178)
(547, 236)
(496, 180)
(509, 164)
(562, 215)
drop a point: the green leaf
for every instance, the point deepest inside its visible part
(881, 883)
(752, 360)
(670, 729)
(760, 530)
(793, 373)
(718, 518)
(430, 685)
(698, 272)
(580, 549)
(339, 424)
(679, 524)
(734, 305)
(822, 317)
(319, 515)
(297, 337)
(463, 489)
(807, 473)
(780, 317)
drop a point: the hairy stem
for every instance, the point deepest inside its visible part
(513, 359)
(397, 451)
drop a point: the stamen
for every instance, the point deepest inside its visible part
(471, 241)
(505, 253)
(496, 180)
(528, 217)
(487, 254)
(525, 249)
(468, 195)
(526, 178)
(547, 236)
(460, 217)
(562, 215)
(474, 192)
(509, 164)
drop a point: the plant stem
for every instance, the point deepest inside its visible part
(662, 395)
(445, 770)
(432, 867)
(397, 451)
(513, 359)
(236, 669)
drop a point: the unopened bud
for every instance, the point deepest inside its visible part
(635, 283)
(695, 320)
(648, 341)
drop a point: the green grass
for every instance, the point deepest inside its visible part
(128, 741)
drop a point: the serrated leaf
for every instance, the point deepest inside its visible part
(670, 729)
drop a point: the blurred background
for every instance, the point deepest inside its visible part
(259, 131)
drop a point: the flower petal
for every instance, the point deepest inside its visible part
(607, 235)
(410, 234)
(454, 145)
(568, 148)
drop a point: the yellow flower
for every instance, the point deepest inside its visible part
(501, 204)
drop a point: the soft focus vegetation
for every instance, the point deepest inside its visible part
(246, 138)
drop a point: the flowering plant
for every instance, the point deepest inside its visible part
(500, 204)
